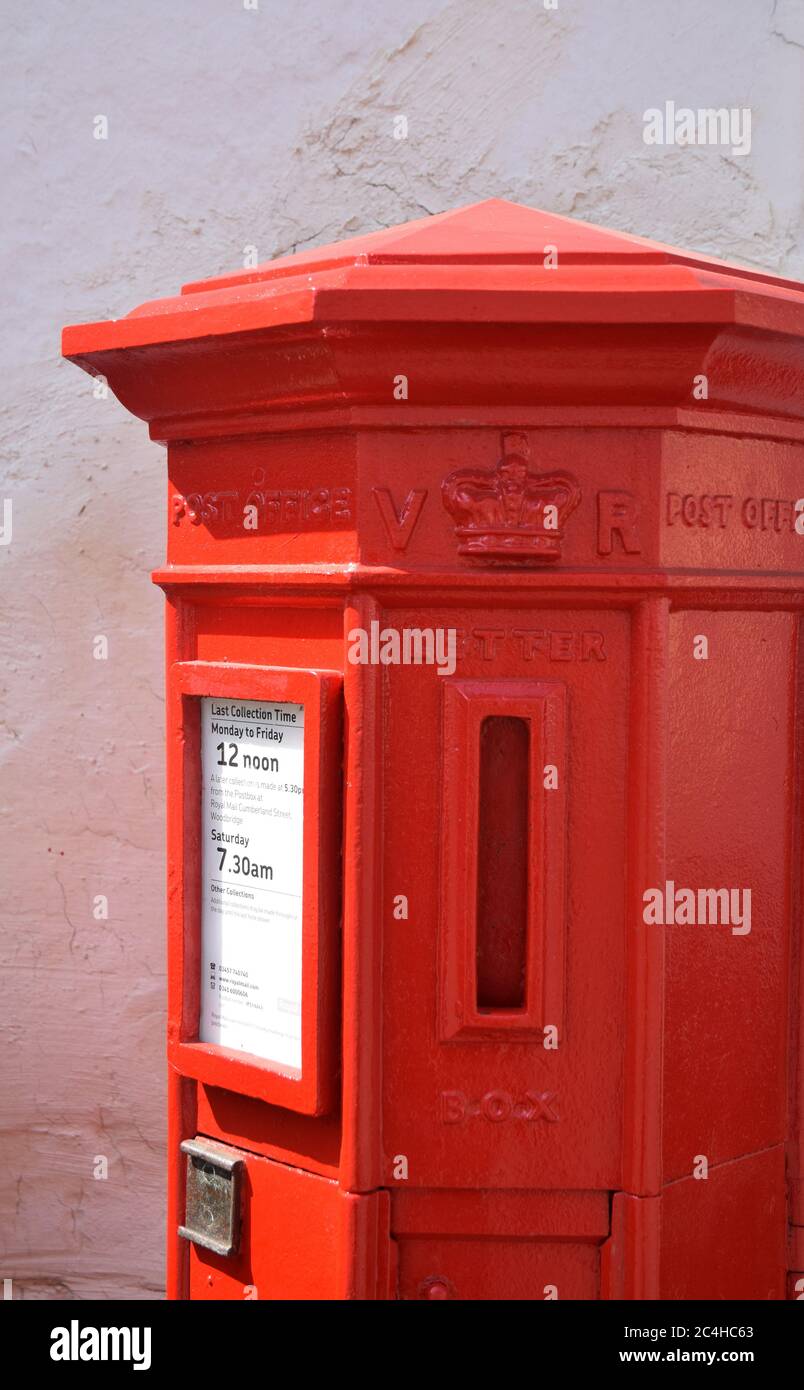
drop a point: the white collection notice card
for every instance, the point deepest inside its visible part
(252, 767)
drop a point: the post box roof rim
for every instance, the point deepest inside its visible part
(481, 263)
(466, 306)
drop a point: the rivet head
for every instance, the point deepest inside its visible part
(435, 1287)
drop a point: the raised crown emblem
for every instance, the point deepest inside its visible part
(506, 514)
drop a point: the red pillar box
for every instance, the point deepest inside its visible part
(484, 579)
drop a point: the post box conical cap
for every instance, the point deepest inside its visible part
(493, 232)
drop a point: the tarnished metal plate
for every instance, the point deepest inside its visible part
(212, 1207)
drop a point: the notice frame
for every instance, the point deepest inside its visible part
(320, 693)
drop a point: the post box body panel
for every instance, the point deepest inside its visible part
(505, 1245)
(313, 1244)
(531, 1091)
(729, 823)
(497, 1269)
(308, 1142)
(719, 1239)
(461, 1108)
(462, 1105)
(705, 1249)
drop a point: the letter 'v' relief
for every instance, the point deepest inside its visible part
(507, 514)
(400, 525)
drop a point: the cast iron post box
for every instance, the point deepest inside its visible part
(484, 678)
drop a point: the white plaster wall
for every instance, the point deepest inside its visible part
(231, 127)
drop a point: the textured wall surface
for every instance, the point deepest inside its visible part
(233, 127)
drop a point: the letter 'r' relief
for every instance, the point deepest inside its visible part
(507, 514)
